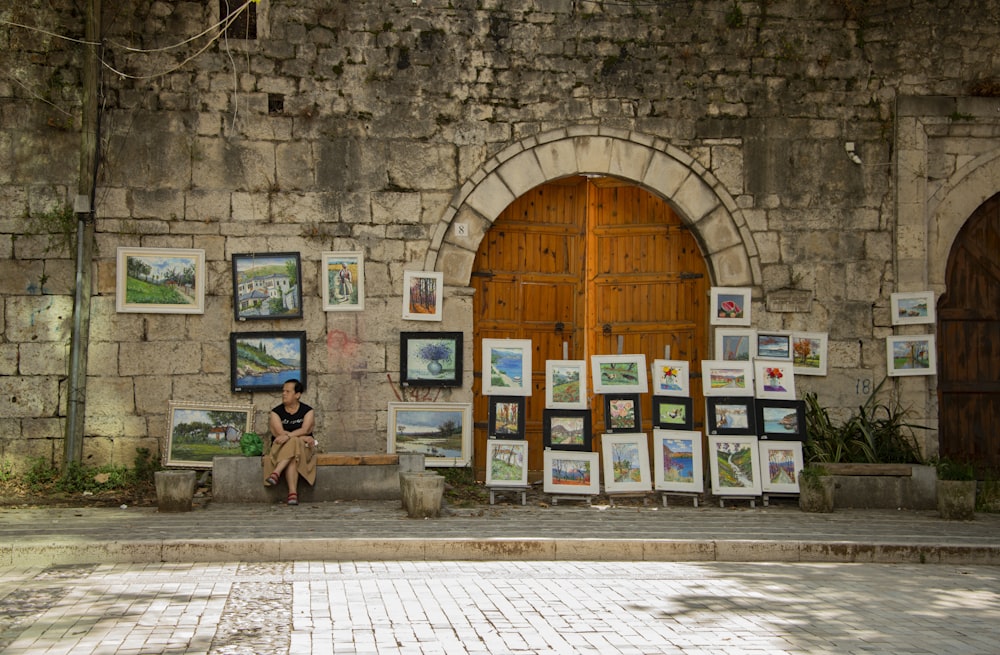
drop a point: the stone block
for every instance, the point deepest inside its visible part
(422, 493)
(174, 490)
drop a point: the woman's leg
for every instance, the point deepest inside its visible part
(291, 475)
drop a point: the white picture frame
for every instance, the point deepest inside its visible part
(506, 463)
(912, 354)
(670, 377)
(912, 308)
(730, 306)
(726, 378)
(774, 379)
(735, 344)
(809, 353)
(160, 280)
(565, 384)
(342, 280)
(626, 462)
(677, 461)
(569, 472)
(781, 464)
(423, 296)
(619, 373)
(734, 462)
(506, 367)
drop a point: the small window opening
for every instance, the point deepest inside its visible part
(244, 19)
(275, 103)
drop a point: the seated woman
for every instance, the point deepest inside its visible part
(293, 448)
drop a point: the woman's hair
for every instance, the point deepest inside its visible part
(296, 385)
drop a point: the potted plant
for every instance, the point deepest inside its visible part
(956, 490)
(816, 487)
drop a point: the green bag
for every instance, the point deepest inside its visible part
(251, 445)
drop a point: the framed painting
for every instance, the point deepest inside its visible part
(781, 462)
(672, 413)
(677, 461)
(622, 412)
(774, 346)
(566, 384)
(619, 373)
(724, 378)
(735, 344)
(911, 355)
(441, 432)
(506, 417)
(267, 286)
(735, 465)
(730, 415)
(160, 281)
(506, 463)
(571, 473)
(774, 379)
(567, 429)
(423, 296)
(430, 359)
(784, 420)
(264, 361)
(343, 281)
(198, 432)
(730, 306)
(912, 308)
(626, 462)
(809, 353)
(671, 377)
(506, 367)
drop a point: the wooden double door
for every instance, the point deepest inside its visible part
(969, 344)
(588, 266)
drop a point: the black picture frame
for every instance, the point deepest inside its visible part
(506, 417)
(615, 420)
(567, 429)
(419, 368)
(781, 420)
(673, 412)
(264, 361)
(267, 286)
(730, 416)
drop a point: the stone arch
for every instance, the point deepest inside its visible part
(957, 199)
(696, 194)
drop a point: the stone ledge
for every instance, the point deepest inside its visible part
(339, 476)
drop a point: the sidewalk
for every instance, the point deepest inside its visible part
(380, 530)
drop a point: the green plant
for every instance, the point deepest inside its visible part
(40, 474)
(6, 471)
(734, 16)
(460, 486)
(950, 469)
(58, 222)
(877, 433)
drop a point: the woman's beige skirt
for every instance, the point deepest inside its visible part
(305, 458)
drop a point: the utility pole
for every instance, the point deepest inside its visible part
(83, 207)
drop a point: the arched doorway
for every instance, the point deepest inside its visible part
(582, 266)
(969, 343)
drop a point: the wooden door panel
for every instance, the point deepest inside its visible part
(969, 343)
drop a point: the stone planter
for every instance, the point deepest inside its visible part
(174, 490)
(816, 493)
(956, 499)
(422, 493)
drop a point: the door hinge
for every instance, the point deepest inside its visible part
(692, 276)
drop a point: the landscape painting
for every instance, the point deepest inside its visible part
(565, 384)
(734, 464)
(783, 462)
(423, 296)
(198, 432)
(506, 463)
(727, 378)
(571, 473)
(911, 355)
(626, 462)
(677, 461)
(160, 281)
(264, 361)
(566, 429)
(442, 432)
(912, 308)
(506, 367)
(781, 419)
(267, 286)
(809, 353)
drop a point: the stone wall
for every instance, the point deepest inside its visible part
(376, 126)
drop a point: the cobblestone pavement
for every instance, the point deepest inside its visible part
(499, 607)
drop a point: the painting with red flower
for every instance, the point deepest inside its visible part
(774, 380)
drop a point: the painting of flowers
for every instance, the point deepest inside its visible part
(774, 380)
(622, 413)
(430, 359)
(670, 377)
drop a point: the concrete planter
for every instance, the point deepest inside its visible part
(174, 490)
(422, 494)
(956, 499)
(816, 493)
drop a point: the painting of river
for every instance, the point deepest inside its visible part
(734, 463)
(442, 432)
(678, 460)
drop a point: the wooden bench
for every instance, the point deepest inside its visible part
(339, 476)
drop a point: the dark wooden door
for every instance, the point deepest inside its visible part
(587, 266)
(969, 343)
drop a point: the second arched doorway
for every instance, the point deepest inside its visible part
(582, 266)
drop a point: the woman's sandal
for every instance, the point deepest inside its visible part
(293, 499)
(271, 480)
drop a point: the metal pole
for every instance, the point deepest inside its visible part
(84, 207)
